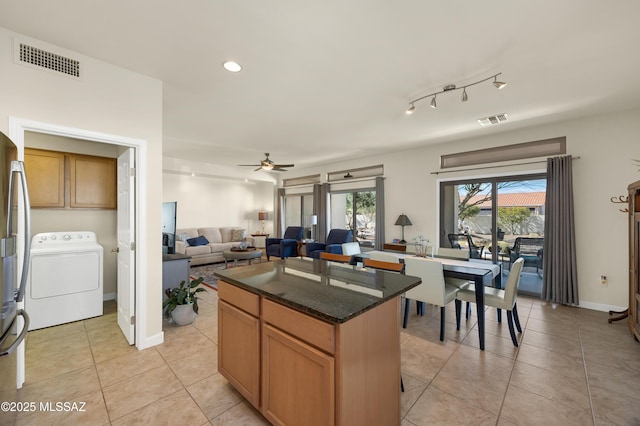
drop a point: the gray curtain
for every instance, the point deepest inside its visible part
(320, 192)
(560, 280)
(379, 243)
(278, 227)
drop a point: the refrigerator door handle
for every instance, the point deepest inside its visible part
(18, 168)
(22, 335)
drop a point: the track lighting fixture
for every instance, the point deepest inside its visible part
(452, 87)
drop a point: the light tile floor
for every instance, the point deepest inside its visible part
(572, 367)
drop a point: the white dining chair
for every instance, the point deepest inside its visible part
(349, 249)
(383, 256)
(433, 288)
(454, 253)
(498, 298)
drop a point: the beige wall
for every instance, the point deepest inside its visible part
(218, 196)
(108, 100)
(606, 145)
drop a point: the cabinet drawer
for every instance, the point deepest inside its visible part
(313, 331)
(239, 298)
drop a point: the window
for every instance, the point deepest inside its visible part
(355, 210)
(494, 212)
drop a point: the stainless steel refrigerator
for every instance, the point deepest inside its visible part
(14, 322)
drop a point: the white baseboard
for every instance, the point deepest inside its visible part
(109, 296)
(601, 307)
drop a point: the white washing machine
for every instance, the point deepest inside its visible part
(65, 278)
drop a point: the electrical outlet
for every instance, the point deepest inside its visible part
(603, 280)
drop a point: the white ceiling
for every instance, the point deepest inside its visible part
(327, 80)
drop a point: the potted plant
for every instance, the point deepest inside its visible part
(182, 302)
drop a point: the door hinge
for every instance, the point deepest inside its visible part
(133, 320)
(133, 172)
(133, 245)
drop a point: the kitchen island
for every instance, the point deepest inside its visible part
(310, 342)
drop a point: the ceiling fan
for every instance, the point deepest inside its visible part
(267, 164)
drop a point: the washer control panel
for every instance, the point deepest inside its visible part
(60, 238)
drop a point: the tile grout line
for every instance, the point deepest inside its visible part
(586, 375)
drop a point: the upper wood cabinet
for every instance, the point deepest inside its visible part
(58, 179)
(92, 181)
(45, 176)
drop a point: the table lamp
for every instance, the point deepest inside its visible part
(403, 221)
(262, 216)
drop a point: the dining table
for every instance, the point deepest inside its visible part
(481, 272)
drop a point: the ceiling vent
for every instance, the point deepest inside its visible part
(494, 119)
(37, 58)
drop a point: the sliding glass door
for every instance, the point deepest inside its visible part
(491, 215)
(355, 210)
(298, 210)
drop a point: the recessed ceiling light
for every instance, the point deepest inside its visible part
(232, 66)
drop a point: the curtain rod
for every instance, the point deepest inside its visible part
(494, 167)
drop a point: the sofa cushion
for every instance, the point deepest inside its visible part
(186, 233)
(194, 250)
(225, 232)
(212, 234)
(220, 247)
(238, 234)
(198, 241)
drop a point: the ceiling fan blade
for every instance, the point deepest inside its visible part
(284, 165)
(259, 168)
(248, 165)
(278, 169)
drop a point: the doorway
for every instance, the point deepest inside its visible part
(137, 288)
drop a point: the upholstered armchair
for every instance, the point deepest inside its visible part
(333, 245)
(286, 246)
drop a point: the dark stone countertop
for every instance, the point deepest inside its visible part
(330, 292)
(176, 256)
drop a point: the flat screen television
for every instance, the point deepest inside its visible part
(169, 227)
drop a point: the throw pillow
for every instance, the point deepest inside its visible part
(198, 241)
(238, 234)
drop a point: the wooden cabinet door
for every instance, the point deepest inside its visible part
(239, 350)
(298, 381)
(45, 176)
(92, 182)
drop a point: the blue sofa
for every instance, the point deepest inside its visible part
(333, 245)
(286, 246)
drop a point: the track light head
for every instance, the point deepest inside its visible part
(433, 102)
(465, 98)
(410, 109)
(498, 84)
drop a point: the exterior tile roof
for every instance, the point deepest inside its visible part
(516, 199)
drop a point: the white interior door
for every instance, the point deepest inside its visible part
(126, 245)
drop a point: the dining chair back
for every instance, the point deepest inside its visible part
(453, 253)
(351, 248)
(334, 257)
(380, 264)
(433, 288)
(498, 298)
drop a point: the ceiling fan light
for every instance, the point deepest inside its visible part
(498, 84)
(465, 98)
(433, 102)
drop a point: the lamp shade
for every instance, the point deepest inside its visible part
(314, 219)
(263, 216)
(403, 220)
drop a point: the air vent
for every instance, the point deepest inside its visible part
(42, 59)
(494, 119)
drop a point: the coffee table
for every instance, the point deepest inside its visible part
(236, 255)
